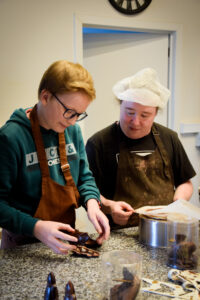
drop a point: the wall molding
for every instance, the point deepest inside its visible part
(191, 128)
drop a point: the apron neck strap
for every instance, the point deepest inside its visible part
(162, 151)
(39, 142)
(65, 167)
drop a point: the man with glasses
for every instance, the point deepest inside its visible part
(135, 161)
(44, 174)
(70, 113)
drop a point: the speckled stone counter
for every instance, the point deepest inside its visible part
(23, 270)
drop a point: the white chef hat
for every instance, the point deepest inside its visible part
(144, 88)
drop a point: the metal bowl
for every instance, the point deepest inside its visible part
(153, 232)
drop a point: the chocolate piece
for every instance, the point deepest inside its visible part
(84, 239)
(84, 243)
(180, 238)
(182, 255)
(51, 291)
(128, 289)
(69, 291)
(84, 251)
(51, 280)
(133, 220)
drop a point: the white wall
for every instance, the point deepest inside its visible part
(36, 33)
(33, 34)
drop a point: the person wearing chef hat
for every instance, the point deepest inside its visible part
(44, 173)
(135, 161)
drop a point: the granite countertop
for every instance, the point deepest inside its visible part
(24, 270)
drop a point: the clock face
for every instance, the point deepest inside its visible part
(130, 7)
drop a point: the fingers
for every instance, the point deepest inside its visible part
(126, 214)
(100, 239)
(60, 247)
(64, 235)
(121, 217)
(101, 225)
(67, 237)
(96, 225)
(105, 230)
(65, 246)
(126, 206)
(61, 250)
(50, 234)
(66, 227)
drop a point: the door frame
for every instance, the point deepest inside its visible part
(174, 32)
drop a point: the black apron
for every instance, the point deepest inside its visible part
(145, 180)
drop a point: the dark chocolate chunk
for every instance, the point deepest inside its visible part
(84, 251)
(181, 255)
(84, 239)
(69, 291)
(51, 291)
(128, 289)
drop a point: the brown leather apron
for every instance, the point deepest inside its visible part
(145, 180)
(57, 202)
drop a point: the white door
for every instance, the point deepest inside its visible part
(112, 55)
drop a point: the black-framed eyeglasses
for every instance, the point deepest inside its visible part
(71, 113)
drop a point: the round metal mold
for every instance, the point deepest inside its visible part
(153, 232)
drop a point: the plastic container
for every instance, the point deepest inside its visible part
(182, 242)
(121, 275)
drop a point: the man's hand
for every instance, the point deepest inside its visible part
(50, 234)
(119, 210)
(99, 220)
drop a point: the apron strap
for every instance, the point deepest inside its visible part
(163, 152)
(65, 167)
(39, 146)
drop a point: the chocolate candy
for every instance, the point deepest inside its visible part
(128, 289)
(69, 291)
(84, 245)
(51, 291)
(84, 251)
(181, 254)
(84, 239)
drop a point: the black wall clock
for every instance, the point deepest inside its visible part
(130, 7)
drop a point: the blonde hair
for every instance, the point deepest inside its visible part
(64, 76)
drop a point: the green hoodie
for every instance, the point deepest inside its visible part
(20, 176)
